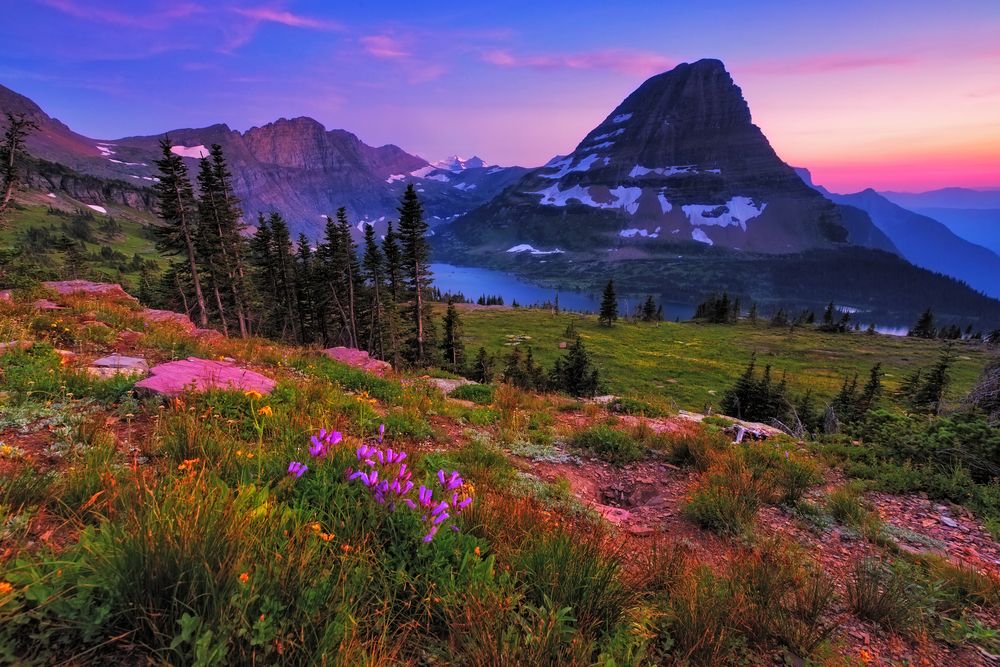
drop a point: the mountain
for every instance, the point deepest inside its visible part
(925, 241)
(946, 198)
(972, 214)
(294, 166)
(678, 160)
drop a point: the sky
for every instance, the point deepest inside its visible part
(890, 94)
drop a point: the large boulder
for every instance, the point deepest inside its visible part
(154, 316)
(194, 374)
(359, 359)
(67, 287)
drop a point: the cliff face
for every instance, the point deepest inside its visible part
(678, 160)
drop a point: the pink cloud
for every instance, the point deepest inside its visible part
(287, 18)
(90, 12)
(833, 62)
(384, 46)
(617, 60)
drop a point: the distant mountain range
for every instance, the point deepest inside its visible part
(923, 240)
(296, 167)
(675, 193)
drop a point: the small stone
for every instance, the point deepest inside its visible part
(948, 521)
(562, 345)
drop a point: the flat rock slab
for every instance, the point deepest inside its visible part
(108, 372)
(194, 374)
(66, 287)
(359, 359)
(152, 315)
(121, 361)
(447, 385)
(45, 304)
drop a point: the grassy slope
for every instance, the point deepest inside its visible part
(685, 362)
(133, 238)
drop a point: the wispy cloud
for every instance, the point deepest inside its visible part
(287, 18)
(832, 62)
(91, 11)
(384, 46)
(617, 60)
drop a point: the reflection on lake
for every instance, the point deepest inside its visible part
(474, 282)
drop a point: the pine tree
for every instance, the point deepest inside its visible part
(872, 390)
(452, 348)
(349, 265)
(649, 310)
(575, 373)
(227, 217)
(752, 316)
(305, 302)
(373, 264)
(927, 390)
(283, 268)
(177, 211)
(609, 305)
(11, 150)
(414, 253)
(924, 328)
(482, 367)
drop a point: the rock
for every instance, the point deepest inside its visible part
(604, 400)
(563, 345)
(358, 359)
(14, 345)
(194, 374)
(67, 287)
(208, 334)
(447, 385)
(45, 304)
(121, 361)
(948, 521)
(65, 355)
(154, 316)
(6, 295)
(107, 372)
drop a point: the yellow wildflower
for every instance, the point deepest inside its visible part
(266, 411)
(188, 464)
(253, 394)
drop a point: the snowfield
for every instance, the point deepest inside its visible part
(99, 209)
(700, 236)
(621, 118)
(565, 165)
(624, 197)
(736, 212)
(524, 247)
(195, 152)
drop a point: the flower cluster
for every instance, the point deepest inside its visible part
(320, 444)
(392, 483)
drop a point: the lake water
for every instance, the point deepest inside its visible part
(474, 282)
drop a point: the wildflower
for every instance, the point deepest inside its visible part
(381, 433)
(188, 464)
(345, 548)
(244, 578)
(321, 443)
(476, 551)
(5, 588)
(326, 537)
(253, 394)
(265, 411)
(297, 469)
(315, 526)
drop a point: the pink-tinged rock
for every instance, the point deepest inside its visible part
(359, 359)
(208, 334)
(120, 361)
(194, 374)
(45, 304)
(153, 315)
(66, 287)
(6, 295)
(13, 345)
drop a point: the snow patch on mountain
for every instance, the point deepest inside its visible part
(464, 186)
(597, 147)
(456, 163)
(665, 204)
(443, 178)
(565, 165)
(700, 236)
(395, 177)
(524, 247)
(624, 197)
(608, 135)
(639, 170)
(105, 149)
(621, 118)
(738, 211)
(644, 233)
(196, 152)
(99, 209)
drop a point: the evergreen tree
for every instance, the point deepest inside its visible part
(926, 392)
(482, 367)
(649, 310)
(177, 236)
(609, 305)
(414, 253)
(305, 301)
(924, 328)
(349, 265)
(452, 348)
(575, 373)
(12, 149)
(872, 390)
(373, 264)
(752, 316)
(286, 324)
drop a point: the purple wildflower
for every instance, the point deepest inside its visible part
(381, 433)
(321, 443)
(297, 469)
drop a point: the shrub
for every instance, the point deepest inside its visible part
(557, 568)
(609, 444)
(728, 496)
(794, 476)
(848, 507)
(631, 406)
(481, 394)
(700, 619)
(884, 594)
(22, 488)
(696, 447)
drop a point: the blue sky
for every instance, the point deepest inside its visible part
(902, 95)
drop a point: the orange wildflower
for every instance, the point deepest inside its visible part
(5, 588)
(244, 578)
